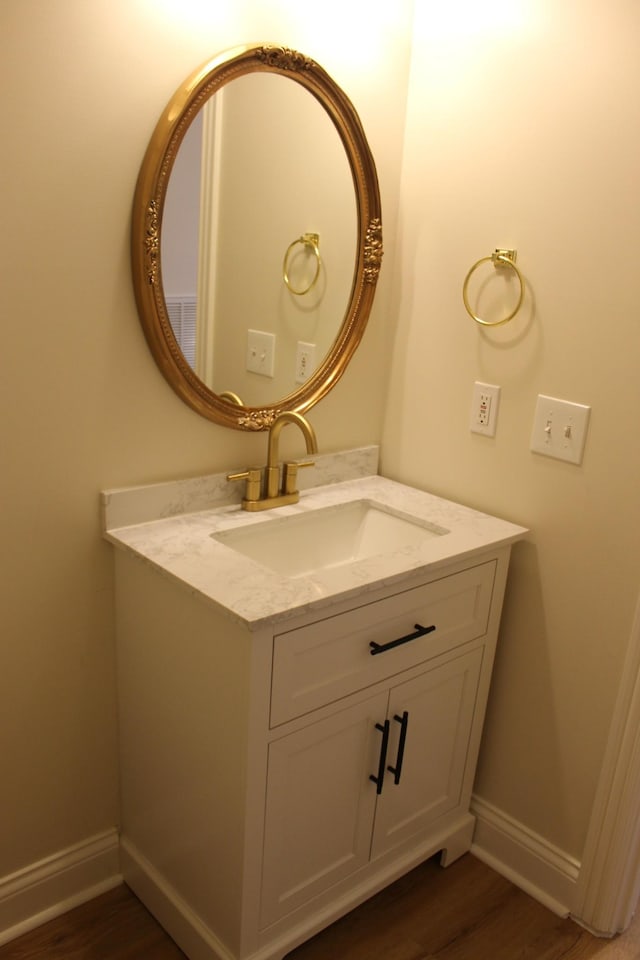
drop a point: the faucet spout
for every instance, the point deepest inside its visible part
(272, 472)
(289, 416)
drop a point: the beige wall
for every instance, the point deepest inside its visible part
(83, 407)
(524, 131)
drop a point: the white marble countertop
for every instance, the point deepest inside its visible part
(181, 546)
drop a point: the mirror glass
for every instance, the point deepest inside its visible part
(272, 170)
(256, 236)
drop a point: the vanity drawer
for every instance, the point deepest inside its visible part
(329, 659)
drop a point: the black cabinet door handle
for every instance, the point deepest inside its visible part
(404, 723)
(382, 647)
(379, 779)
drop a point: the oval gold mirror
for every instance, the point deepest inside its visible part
(256, 236)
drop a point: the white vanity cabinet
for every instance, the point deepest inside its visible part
(275, 777)
(386, 695)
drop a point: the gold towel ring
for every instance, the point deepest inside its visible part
(499, 258)
(308, 240)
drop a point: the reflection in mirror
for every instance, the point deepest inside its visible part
(261, 166)
(256, 236)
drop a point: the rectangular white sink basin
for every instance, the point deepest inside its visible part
(296, 546)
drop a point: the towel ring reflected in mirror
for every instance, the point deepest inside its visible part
(308, 240)
(499, 258)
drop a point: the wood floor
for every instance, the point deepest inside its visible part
(466, 912)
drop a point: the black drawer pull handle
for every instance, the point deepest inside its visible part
(404, 722)
(384, 728)
(381, 647)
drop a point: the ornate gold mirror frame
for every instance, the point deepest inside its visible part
(147, 231)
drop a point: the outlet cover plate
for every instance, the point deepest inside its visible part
(484, 408)
(560, 428)
(305, 361)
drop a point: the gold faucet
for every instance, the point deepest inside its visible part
(261, 495)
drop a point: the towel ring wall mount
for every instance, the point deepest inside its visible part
(500, 259)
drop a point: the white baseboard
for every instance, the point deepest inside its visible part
(50, 887)
(168, 907)
(529, 861)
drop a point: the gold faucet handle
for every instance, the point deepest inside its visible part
(290, 474)
(253, 476)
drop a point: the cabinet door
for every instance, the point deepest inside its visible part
(320, 805)
(438, 707)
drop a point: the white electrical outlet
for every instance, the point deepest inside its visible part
(305, 361)
(261, 350)
(560, 428)
(484, 408)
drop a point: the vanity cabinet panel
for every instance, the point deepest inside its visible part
(331, 658)
(326, 818)
(320, 806)
(436, 712)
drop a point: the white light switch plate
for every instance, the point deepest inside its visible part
(261, 350)
(560, 429)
